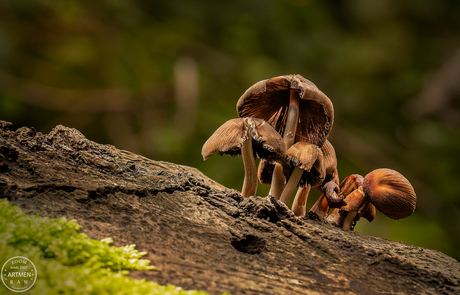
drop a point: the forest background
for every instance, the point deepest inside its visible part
(158, 77)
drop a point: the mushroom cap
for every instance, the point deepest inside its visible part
(330, 162)
(390, 192)
(269, 100)
(307, 157)
(231, 136)
(265, 170)
(357, 201)
(350, 183)
(268, 144)
(228, 139)
(370, 213)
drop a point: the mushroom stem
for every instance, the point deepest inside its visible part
(300, 200)
(278, 179)
(250, 170)
(349, 219)
(292, 118)
(321, 207)
(291, 185)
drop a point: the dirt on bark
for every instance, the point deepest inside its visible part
(199, 234)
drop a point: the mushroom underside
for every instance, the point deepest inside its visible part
(313, 127)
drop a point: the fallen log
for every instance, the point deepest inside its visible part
(199, 234)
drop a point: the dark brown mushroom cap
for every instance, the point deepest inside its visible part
(390, 192)
(307, 157)
(269, 100)
(231, 136)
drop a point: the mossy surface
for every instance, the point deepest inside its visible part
(69, 262)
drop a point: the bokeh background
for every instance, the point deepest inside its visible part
(158, 77)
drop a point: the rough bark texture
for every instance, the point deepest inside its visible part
(199, 234)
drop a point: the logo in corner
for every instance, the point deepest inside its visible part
(19, 274)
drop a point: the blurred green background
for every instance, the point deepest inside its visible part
(158, 77)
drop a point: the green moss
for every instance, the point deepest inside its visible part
(69, 262)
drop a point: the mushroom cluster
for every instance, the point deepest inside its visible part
(285, 121)
(385, 189)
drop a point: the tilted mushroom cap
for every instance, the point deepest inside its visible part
(390, 192)
(307, 157)
(330, 186)
(330, 162)
(231, 136)
(228, 139)
(269, 100)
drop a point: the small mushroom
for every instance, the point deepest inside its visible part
(386, 189)
(390, 192)
(357, 205)
(351, 183)
(303, 167)
(250, 137)
(295, 107)
(330, 187)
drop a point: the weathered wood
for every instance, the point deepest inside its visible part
(199, 234)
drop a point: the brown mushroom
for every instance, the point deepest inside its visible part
(330, 197)
(351, 183)
(303, 167)
(330, 187)
(295, 107)
(291, 104)
(390, 192)
(357, 205)
(386, 189)
(250, 137)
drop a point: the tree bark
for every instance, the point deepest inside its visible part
(199, 234)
